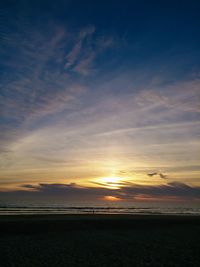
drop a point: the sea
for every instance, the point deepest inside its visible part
(127, 209)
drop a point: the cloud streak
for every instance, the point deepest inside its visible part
(161, 175)
(174, 191)
(73, 55)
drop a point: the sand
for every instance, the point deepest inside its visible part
(99, 240)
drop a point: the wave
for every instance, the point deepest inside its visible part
(36, 210)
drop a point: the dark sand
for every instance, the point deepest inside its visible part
(99, 240)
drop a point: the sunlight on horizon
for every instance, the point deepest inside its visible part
(112, 182)
(111, 198)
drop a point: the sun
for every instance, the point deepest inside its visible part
(112, 182)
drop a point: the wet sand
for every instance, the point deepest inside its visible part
(100, 240)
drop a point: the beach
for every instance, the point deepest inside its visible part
(99, 240)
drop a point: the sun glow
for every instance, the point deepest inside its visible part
(112, 182)
(111, 198)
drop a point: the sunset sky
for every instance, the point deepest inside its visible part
(100, 100)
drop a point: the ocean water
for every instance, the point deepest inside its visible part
(34, 209)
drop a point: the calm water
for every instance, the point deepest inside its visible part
(25, 210)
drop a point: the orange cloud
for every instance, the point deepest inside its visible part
(112, 198)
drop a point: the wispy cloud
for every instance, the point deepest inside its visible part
(73, 56)
(85, 50)
(41, 86)
(163, 176)
(84, 66)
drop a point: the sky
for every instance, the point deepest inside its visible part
(100, 101)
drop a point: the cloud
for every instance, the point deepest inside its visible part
(39, 86)
(73, 55)
(174, 191)
(163, 176)
(152, 174)
(36, 82)
(85, 50)
(84, 66)
(181, 96)
(87, 31)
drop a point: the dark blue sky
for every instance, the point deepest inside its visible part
(157, 34)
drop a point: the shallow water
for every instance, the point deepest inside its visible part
(25, 210)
